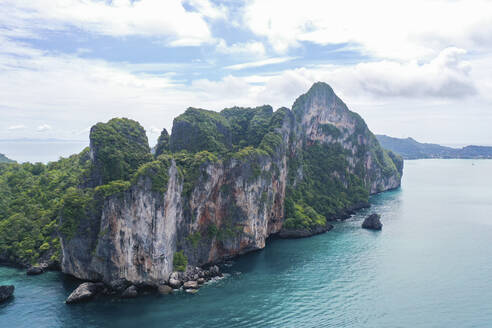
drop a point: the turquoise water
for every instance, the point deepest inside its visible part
(430, 267)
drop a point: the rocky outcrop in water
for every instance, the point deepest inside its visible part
(372, 222)
(36, 269)
(307, 232)
(221, 185)
(130, 292)
(86, 291)
(6, 292)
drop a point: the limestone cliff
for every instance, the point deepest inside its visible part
(222, 183)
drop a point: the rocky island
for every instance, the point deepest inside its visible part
(216, 187)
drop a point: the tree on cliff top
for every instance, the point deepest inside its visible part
(118, 149)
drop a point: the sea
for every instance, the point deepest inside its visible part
(430, 266)
(36, 150)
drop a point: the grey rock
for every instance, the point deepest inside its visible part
(302, 233)
(191, 291)
(130, 292)
(36, 269)
(190, 285)
(214, 271)
(175, 283)
(174, 275)
(84, 292)
(6, 292)
(372, 222)
(119, 285)
(200, 281)
(165, 289)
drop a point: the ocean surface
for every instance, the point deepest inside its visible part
(430, 266)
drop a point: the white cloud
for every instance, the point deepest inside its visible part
(254, 48)
(207, 9)
(38, 86)
(259, 63)
(383, 28)
(43, 128)
(154, 130)
(445, 76)
(168, 19)
(16, 127)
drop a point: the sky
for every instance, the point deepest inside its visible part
(420, 68)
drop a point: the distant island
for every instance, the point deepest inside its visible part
(409, 148)
(5, 159)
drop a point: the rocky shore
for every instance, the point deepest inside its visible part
(189, 281)
(303, 233)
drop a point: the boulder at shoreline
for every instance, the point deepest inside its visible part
(84, 292)
(36, 269)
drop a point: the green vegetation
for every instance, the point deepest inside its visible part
(304, 216)
(31, 199)
(76, 204)
(120, 147)
(194, 238)
(227, 231)
(271, 143)
(248, 125)
(384, 161)
(229, 131)
(156, 171)
(200, 129)
(162, 143)
(5, 159)
(330, 129)
(180, 261)
(112, 188)
(190, 167)
(212, 230)
(326, 189)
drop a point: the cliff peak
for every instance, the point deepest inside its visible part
(320, 95)
(118, 148)
(320, 89)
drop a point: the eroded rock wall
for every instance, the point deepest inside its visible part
(233, 207)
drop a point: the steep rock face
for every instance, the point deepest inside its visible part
(212, 207)
(137, 239)
(235, 209)
(136, 236)
(325, 118)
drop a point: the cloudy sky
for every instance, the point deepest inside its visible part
(420, 68)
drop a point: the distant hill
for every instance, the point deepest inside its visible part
(5, 159)
(409, 148)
